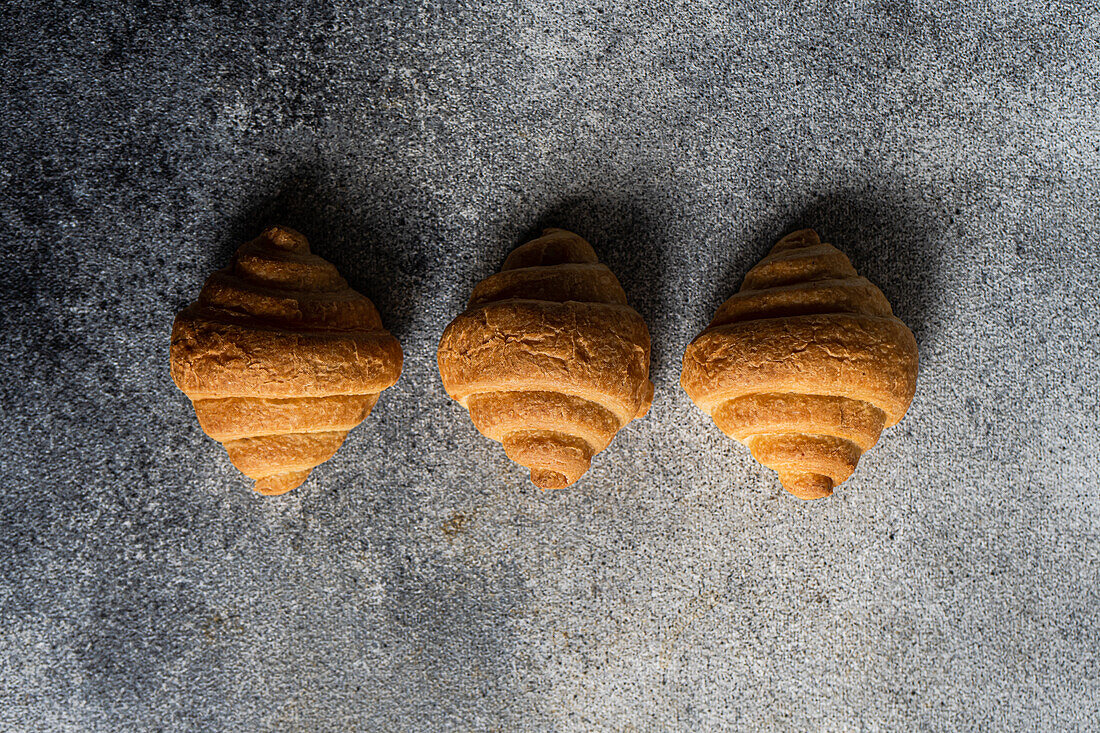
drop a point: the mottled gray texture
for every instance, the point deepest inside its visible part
(418, 581)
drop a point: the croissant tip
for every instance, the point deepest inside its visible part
(268, 491)
(807, 486)
(549, 479)
(285, 238)
(796, 239)
(280, 483)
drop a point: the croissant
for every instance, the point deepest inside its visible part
(548, 358)
(281, 359)
(805, 365)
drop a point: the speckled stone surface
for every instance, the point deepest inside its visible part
(417, 581)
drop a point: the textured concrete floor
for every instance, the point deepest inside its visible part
(418, 581)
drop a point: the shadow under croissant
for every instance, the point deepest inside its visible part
(892, 237)
(368, 237)
(357, 222)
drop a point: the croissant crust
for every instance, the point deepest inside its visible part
(281, 358)
(805, 365)
(548, 358)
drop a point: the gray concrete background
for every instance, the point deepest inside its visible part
(418, 581)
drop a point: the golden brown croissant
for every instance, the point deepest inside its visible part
(281, 359)
(548, 358)
(804, 365)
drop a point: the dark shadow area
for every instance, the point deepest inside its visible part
(892, 238)
(629, 235)
(368, 236)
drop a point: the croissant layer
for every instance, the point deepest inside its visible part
(281, 358)
(522, 344)
(805, 365)
(231, 418)
(548, 358)
(253, 360)
(846, 355)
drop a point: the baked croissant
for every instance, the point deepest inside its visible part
(804, 365)
(281, 359)
(548, 358)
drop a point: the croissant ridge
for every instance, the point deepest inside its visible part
(281, 358)
(548, 358)
(805, 365)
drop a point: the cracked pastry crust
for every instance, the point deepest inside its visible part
(805, 365)
(548, 358)
(281, 359)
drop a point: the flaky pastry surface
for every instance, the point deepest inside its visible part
(805, 365)
(548, 358)
(281, 358)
